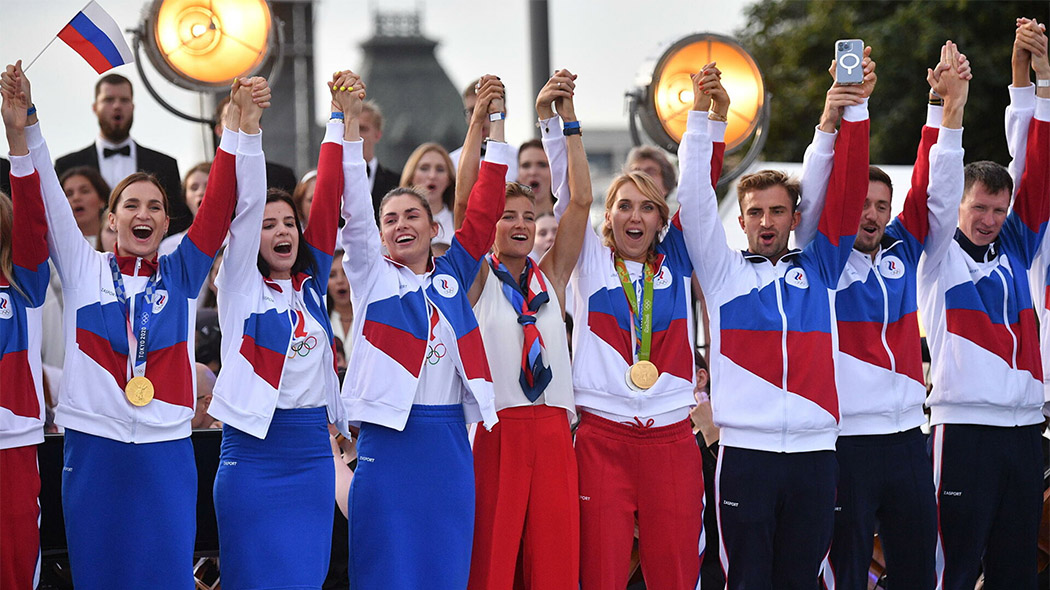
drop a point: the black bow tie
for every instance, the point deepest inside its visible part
(124, 151)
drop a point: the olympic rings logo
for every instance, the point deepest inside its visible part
(302, 347)
(436, 353)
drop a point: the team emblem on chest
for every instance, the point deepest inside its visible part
(6, 310)
(796, 277)
(891, 267)
(445, 285)
(663, 279)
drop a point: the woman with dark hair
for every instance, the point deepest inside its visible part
(528, 503)
(24, 274)
(87, 192)
(129, 480)
(419, 373)
(430, 171)
(278, 389)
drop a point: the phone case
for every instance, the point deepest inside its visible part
(849, 58)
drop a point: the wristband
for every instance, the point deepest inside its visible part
(31, 110)
(337, 115)
(497, 116)
(936, 101)
(571, 128)
(1038, 84)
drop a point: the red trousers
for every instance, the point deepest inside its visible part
(655, 474)
(527, 502)
(19, 518)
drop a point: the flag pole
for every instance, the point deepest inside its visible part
(26, 69)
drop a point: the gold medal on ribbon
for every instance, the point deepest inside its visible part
(643, 374)
(139, 391)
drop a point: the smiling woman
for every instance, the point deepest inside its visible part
(129, 476)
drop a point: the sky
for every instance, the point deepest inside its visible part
(604, 42)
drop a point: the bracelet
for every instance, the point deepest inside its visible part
(497, 116)
(31, 110)
(713, 116)
(337, 115)
(1038, 84)
(571, 128)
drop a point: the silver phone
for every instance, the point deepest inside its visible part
(849, 59)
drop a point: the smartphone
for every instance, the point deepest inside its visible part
(849, 58)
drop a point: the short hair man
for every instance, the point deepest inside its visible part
(277, 175)
(470, 98)
(987, 399)
(205, 384)
(772, 372)
(653, 161)
(885, 476)
(115, 155)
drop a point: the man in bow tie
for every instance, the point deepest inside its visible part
(116, 155)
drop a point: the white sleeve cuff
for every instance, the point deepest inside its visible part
(21, 165)
(1022, 97)
(333, 132)
(250, 144)
(34, 138)
(950, 139)
(856, 112)
(353, 151)
(1042, 108)
(499, 152)
(824, 142)
(550, 127)
(229, 140)
(717, 130)
(697, 121)
(934, 115)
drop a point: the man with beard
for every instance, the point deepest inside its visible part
(116, 155)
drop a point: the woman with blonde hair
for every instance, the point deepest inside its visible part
(430, 171)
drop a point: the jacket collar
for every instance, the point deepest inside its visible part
(757, 258)
(128, 264)
(430, 263)
(977, 253)
(297, 282)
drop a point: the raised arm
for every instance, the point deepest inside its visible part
(561, 85)
(66, 245)
(931, 209)
(819, 156)
(29, 227)
(702, 229)
(1026, 223)
(359, 235)
(558, 263)
(348, 92)
(489, 88)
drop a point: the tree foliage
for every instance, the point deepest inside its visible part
(792, 41)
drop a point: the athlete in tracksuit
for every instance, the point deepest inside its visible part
(528, 507)
(885, 477)
(129, 481)
(635, 448)
(987, 399)
(419, 375)
(278, 389)
(23, 254)
(774, 394)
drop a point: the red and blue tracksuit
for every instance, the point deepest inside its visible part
(987, 399)
(772, 374)
(21, 392)
(885, 478)
(129, 483)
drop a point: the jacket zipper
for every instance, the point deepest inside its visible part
(885, 341)
(784, 356)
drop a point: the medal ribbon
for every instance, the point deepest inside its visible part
(138, 327)
(642, 320)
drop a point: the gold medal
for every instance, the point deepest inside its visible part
(643, 374)
(139, 391)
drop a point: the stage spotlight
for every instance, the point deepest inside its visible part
(204, 44)
(665, 92)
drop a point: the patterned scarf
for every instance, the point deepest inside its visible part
(526, 297)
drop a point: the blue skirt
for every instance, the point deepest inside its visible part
(130, 512)
(273, 503)
(412, 504)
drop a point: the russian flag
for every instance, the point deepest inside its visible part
(97, 38)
